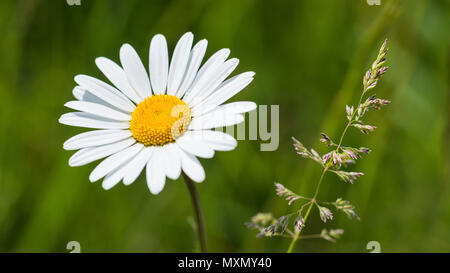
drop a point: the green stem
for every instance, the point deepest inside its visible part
(198, 213)
(297, 234)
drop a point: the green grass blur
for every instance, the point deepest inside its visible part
(309, 58)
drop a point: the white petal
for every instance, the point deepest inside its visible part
(82, 95)
(216, 140)
(225, 91)
(98, 109)
(206, 73)
(87, 120)
(114, 161)
(172, 163)
(95, 138)
(238, 107)
(117, 76)
(159, 64)
(156, 178)
(88, 155)
(179, 63)
(105, 92)
(217, 58)
(113, 178)
(135, 71)
(215, 79)
(194, 145)
(78, 92)
(215, 119)
(195, 59)
(137, 164)
(192, 167)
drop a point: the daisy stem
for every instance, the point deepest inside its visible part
(198, 212)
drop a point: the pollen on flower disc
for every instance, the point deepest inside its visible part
(159, 119)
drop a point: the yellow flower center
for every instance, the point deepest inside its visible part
(159, 119)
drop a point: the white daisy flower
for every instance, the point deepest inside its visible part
(161, 120)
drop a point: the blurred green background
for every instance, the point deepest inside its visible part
(309, 58)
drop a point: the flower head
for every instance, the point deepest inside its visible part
(161, 120)
(325, 213)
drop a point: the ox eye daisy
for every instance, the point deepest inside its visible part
(158, 120)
